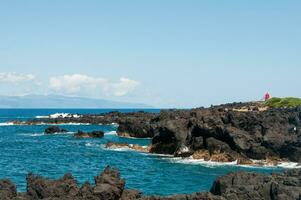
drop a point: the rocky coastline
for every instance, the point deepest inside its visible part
(110, 186)
(240, 132)
(245, 133)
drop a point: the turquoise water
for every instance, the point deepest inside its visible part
(26, 148)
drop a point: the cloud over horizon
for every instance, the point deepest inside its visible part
(12, 77)
(81, 84)
(68, 84)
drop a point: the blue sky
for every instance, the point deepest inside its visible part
(167, 53)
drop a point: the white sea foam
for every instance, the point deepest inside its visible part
(62, 133)
(42, 117)
(115, 124)
(91, 144)
(120, 149)
(36, 134)
(42, 124)
(191, 161)
(31, 134)
(289, 165)
(60, 115)
(111, 133)
(72, 123)
(6, 124)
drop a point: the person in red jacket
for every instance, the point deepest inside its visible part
(267, 96)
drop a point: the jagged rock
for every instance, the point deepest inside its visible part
(135, 126)
(110, 186)
(254, 134)
(54, 129)
(201, 154)
(7, 190)
(247, 185)
(93, 134)
(41, 188)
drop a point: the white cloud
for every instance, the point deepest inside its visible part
(80, 84)
(11, 77)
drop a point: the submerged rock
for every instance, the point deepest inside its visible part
(136, 147)
(93, 134)
(54, 129)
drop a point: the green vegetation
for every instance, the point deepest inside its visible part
(276, 102)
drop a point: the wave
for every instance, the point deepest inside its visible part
(72, 123)
(7, 124)
(114, 124)
(90, 144)
(32, 134)
(42, 124)
(111, 133)
(192, 161)
(289, 165)
(41, 117)
(59, 115)
(62, 133)
(120, 149)
(212, 164)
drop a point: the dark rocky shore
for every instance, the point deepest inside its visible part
(110, 186)
(224, 133)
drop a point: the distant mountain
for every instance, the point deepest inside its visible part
(56, 101)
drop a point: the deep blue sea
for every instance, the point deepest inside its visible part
(26, 148)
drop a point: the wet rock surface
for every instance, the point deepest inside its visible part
(93, 134)
(136, 147)
(54, 129)
(110, 186)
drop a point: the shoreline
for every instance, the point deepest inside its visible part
(245, 133)
(110, 186)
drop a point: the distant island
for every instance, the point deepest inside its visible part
(58, 101)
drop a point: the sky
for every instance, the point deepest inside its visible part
(165, 53)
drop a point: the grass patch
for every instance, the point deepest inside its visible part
(286, 102)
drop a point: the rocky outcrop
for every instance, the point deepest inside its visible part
(54, 129)
(136, 126)
(93, 134)
(247, 185)
(110, 186)
(253, 134)
(7, 189)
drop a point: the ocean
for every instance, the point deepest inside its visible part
(26, 149)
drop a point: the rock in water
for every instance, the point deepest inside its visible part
(93, 134)
(54, 129)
